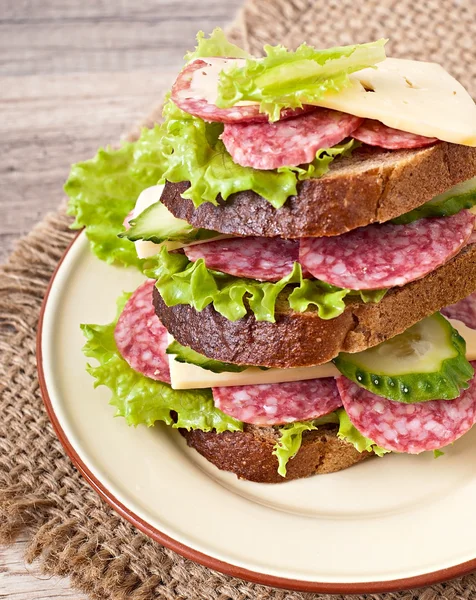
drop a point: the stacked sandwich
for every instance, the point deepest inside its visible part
(301, 220)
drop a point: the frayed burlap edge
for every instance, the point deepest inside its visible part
(72, 532)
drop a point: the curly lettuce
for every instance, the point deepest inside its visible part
(289, 79)
(141, 400)
(192, 151)
(290, 439)
(104, 190)
(180, 281)
(349, 433)
(216, 44)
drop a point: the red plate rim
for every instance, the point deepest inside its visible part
(370, 587)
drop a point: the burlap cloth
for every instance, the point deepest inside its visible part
(72, 531)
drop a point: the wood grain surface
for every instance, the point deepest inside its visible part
(74, 75)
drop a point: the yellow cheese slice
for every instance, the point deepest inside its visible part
(414, 96)
(184, 376)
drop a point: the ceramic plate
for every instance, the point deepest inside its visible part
(381, 525)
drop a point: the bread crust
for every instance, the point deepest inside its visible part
(303, 339)
(249, 453)
(373, 185)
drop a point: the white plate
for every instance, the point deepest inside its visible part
(384, 524)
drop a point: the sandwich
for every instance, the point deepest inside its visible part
(304, 224)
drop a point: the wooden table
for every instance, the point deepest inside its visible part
(75, 75)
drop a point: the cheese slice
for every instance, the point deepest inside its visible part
(414, 96)
(184, 376)
(146, 249)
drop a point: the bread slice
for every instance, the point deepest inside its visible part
(249, 454)
(303, 339)
(373, 185)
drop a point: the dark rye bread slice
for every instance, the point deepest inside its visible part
(249, 454)
(303, 339)
(373, 185)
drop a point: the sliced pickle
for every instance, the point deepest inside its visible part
(425, 362)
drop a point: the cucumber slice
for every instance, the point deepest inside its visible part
(157, 224)
(462, 195)
(425, 362)
(184, 354)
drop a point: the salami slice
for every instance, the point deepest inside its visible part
(279, 403)
(375, 133)
(287, 143)
(265, 259)
(140, 336)
(464, 310)
(185, 99)
(387, 255)
(411, 428)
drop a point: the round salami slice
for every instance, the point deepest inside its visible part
(265, 259)
(279, 403)
(141, 338)
(375, 133)
(185, 99)
(287, 143)
(387, 255)
(411, 428)
(464, 310)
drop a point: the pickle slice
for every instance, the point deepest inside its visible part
(459, 197)
(425, 362)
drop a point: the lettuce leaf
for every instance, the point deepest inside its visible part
(104, 190)
(180, 281)
(351, 434)
(184, 354)
(290, 79)
(216, 45)
(141, 400)
(192, 151)
(290, 439)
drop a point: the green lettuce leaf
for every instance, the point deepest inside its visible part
(216, 45)
(141, 400)
(290, 439)
(290, 79)
(104, 190)
(351, 434)
(192, 151)
(180, 281)
(184, 354)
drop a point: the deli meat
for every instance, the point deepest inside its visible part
(141, 338)
(411, 428)
(464, 310)
(290, 142)
(279, 403)
(200, 107)
(387, 255)
(375, 133)
(265, 259)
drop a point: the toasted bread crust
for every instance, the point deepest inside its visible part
(249, 454)
(373, 185)
(303, 339)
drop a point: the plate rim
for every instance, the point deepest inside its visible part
(370, 587)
